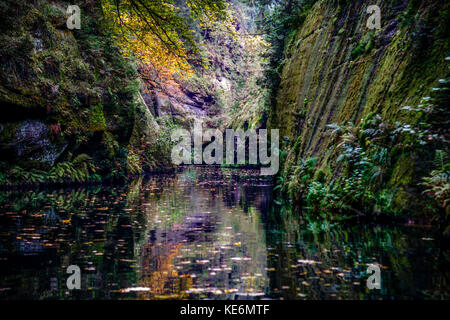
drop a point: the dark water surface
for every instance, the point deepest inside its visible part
(204, 234)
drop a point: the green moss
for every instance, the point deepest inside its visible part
(7, 132)
(320, 176)
(97, 119)
(403, 200)
(366, 44)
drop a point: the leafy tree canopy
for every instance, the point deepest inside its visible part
(162, 33)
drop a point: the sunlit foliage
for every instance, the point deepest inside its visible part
(161, 34)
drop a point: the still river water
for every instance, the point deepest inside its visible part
(204, 234)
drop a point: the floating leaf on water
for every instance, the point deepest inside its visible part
(308, 261)
(202, 261)
(137, 289)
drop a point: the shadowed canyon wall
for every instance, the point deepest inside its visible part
(337, 70)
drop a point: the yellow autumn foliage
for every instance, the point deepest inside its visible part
(157, 34)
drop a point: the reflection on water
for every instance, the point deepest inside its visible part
(203, 234)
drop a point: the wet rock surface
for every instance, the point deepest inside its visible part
(32, 142)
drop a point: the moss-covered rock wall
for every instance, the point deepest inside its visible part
(336, 70)
(65, 93)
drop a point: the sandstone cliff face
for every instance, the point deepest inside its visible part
(69, 92)
(224, 92)
(337, 71)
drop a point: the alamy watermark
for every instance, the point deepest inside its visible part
(374, 21)
(74, 17)
(235, 142)
(374, 281)
(74, 280)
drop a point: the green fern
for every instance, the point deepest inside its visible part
(440, 159)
